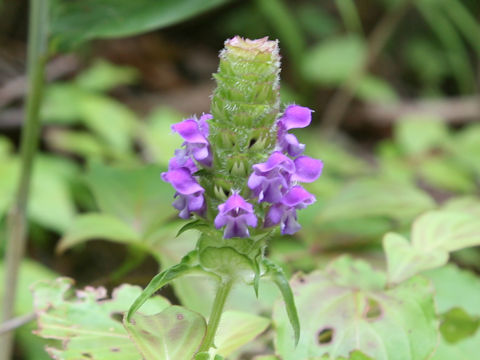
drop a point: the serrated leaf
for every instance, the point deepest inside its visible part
(88, 323)
(74, 23)
(338, 315)
(174, 333)
(434, 235)
(97, 226)
(237, 329)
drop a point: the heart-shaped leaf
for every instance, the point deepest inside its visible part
(174, 333)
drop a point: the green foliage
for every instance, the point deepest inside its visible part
(349, 301)
(174, 333)
(88, 324)
(434, 235)
(74, 23)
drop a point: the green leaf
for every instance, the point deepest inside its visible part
(375, 89)
(448, 174)
(455, 287)
(74, 23)
(156, 135)
(97, 226)
(175, 333)
(158, 282)
(434, 235)
(333, 61)
(81, 143)
(104, 76)
(376, 197)
(339, 315)
(278, 277)
(457, 325)
(193, 225)
(227, 261)
(237, 329)
(466, 349)
(88, 323)
(136, 196)
(419, 133)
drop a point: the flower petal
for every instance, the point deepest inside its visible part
(307, 169)
(182, 181)
(298, 198)
(295, 117)
(190, 131)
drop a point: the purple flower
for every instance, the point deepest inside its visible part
(189, 193)
(236, 215)
(271, 179)
(195, 133)
(285, 212)
(294, 117)
(307, 169)
(178, 162)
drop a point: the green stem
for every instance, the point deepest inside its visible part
(36, 57)
(216, 314)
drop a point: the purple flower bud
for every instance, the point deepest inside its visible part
(189, 193)
(271, 179)
(285, 212)
(195, 133)
(294, 117)
(236, 215)
(307, 169)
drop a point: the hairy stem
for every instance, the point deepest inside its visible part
(216, 314)
(36, 57)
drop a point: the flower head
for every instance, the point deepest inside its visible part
(236, 215)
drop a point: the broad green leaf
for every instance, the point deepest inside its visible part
(237, 329)
(174, 333)
(446, 173)
(97, 226)
(266, 357)
(417, 134)
(434, 235)
(371, 88)
(74, 23)
(468, 204)
(104, 76)
(88, 323)
(466, 349)
(331, 62)
(81, 143)
(339, 315)
(156, 135)
(376, 197)
(455, 287)
(136, 196)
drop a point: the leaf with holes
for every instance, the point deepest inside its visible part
(88, 324)
(174, 333)
(434, 235)
(338, 315)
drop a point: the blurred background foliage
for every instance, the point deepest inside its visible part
(394, 85)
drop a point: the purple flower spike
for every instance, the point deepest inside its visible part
(270, 180)
(178, 162)
(189, 194)
(289, 144)
(195, 133)
(307, 169)
(236, 214)
(285, 213)
(295, 117)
